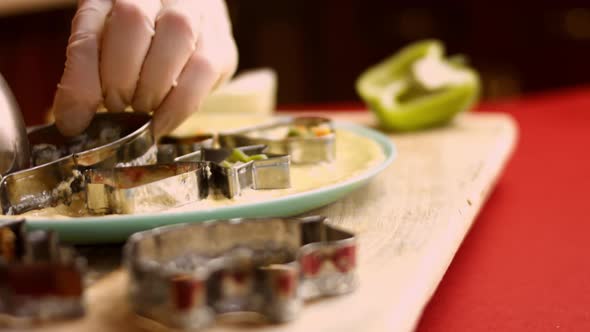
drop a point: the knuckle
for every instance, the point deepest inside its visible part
(130, 10)
(233, 58)
(205, 64)
(79, 39)
(81, 45)
(178, 21)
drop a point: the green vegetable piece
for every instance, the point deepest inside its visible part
(238, 155)
(258, 157)
(294, 132)
(418, 88)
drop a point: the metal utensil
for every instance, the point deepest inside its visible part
(14, 146)
(270, 173)
(111, 140)
(142, 189)
(302, 149)
(170, 147)
(183, 276)
(41, 280)
(192, 177)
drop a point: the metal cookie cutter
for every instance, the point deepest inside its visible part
(184, 275)
(141, 189)
(14, 152)
(306, 139)
(112, 139)
(170, 148)
(151, 188)
(39, 279)
(270, 173)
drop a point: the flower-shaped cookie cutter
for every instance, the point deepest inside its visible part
(39, 279)
(184, 275)
(112, 139)
(296, 137)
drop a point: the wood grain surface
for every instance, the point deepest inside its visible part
(411, 220)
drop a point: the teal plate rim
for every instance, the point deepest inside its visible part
(116, 229)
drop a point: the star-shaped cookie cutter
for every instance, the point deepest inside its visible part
(183, 276)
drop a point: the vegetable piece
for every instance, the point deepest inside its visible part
(257, 157)
(293, 132)
(226, 164)
(237, 155)
(298, 131)
(321, 130)
(418, 88)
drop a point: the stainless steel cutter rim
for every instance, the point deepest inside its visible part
(142, 130)
(302, 288)
(243, 132)
(117, 143)
(110, 184)
(171, 147)
(64, 168)
(303, 150)
(134, 239)
(47, 306)
(185, 167)
(259, 148)
(61, 160)
(198, 139)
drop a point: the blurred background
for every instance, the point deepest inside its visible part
(318, 48)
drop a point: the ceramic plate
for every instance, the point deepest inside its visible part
(117, 228)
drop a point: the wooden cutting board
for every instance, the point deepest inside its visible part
(411, 220)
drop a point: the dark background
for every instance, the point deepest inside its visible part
(319, 47)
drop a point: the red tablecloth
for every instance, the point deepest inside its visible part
(525, 265)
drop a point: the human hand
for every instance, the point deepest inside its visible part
(163, 56)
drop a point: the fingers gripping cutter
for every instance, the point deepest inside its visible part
(116, 166)
(57, 162)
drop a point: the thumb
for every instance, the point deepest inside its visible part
(79, 93)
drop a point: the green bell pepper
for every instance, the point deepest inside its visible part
(238, 156)
(418, 88)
